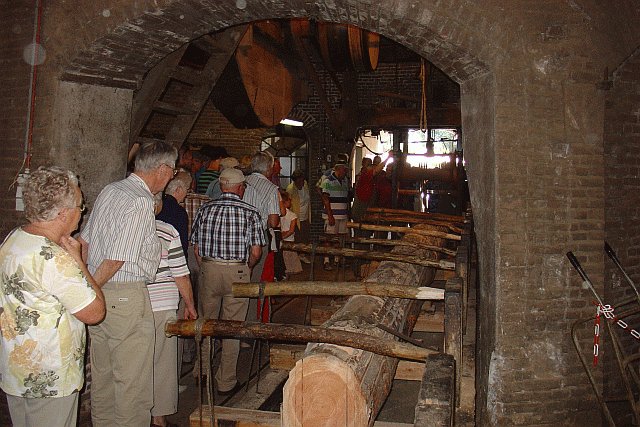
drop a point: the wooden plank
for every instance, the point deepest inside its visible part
(321, 314)
(253, 418)
(409, 371)
(430, 322)
(453, 327)
(234, 416)
(254, 398)
(435, 405)
(285, 356)
(444, 274)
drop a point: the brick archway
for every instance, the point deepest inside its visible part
(118, 57)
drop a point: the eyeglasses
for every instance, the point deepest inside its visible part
(82, 207)
(173, 169)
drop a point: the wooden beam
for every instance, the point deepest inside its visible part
(364, 254)
(453, 327)
(429, 215)
(436, 403)
(430, 233)
(290, 288)
(395, 242)
(297, 333)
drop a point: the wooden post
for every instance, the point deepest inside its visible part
(453, 327)
(436, 401)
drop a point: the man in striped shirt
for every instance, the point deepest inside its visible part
(335, 189)
(123, 252)
(228, 239)
(171, 282)
(262, 194)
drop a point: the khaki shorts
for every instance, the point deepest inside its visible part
(340, 226)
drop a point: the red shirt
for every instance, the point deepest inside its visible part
(366, 185)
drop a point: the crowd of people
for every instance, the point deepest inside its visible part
(166, 242)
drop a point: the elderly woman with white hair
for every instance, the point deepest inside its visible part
(46, 297)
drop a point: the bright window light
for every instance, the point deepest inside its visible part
(291, 122)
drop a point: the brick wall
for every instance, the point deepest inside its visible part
(622, 204)
(15, 35)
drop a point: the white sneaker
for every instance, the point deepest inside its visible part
(181, 388)
(304, 259)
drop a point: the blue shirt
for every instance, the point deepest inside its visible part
(174, 214)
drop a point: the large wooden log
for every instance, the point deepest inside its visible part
(389, 242)
(297, 333)
(377, 218)
(429, 215)
(406, 256)
(252, 290)
(423, 232)
(351, 385)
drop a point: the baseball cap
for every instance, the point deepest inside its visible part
(229, 162)
(231, 176)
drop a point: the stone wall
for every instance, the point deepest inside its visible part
(533, 121)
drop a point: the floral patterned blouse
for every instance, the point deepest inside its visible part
(41, 343)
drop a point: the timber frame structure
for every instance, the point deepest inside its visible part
(366, 372)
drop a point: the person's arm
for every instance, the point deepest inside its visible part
(85, 249)
(184, 287)
(196, 251)
(106, 270)
(93, 313)
(327, 206)
(291, 230)
(254, 255)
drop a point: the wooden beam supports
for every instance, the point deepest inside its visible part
(365, 254)
(421, 232)
(297, 333)
(436, 406)
(393, 290)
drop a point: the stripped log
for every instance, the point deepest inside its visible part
(395, 229)
(341, 386)
(252, 290)
(297, 333)
(388, 242)
(377, 218)
(429, 215)
(405, 257)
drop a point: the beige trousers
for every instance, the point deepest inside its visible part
(49, 412)
(165, 367)
(122, 358)
(216, 302)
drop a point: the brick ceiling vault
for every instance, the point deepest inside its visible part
(123, 56)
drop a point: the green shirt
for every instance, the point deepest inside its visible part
(42, 344)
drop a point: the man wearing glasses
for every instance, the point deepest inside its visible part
(122, 251)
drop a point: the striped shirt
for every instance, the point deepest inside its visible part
(263, 195)
(163, 291)
(205, 179)
(226, 228)
(338, 192)
(122, 227)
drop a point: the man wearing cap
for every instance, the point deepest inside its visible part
(228, 238)
(335, 189)
(214, 191)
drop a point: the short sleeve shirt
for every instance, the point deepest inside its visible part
(338, 191)
(42, 344)
(163, 291)
(122, 227)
